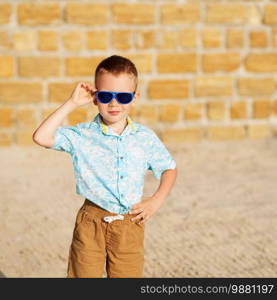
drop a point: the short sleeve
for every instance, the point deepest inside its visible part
(159, 158)
(66, 138)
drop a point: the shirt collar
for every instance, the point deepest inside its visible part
(131, 127)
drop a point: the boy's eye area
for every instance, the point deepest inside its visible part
(122, 97)
(105, 95)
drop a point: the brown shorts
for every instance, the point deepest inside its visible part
(118, 245)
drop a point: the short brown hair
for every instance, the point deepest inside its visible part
(116, 65)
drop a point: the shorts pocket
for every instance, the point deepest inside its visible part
(79, 219)
(136, 235)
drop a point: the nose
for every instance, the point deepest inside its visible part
(114, 101)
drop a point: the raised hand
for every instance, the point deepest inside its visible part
(83, 94)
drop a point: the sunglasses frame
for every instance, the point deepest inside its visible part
(115, 96)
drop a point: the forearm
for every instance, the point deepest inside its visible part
(167, 181)
(44, 134)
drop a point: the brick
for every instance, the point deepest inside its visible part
(134, 13)
(213, 86)
(188, 38)
(238, 110)
(180, 14)
(179, 62)
(30, 66)
(235, 38)
(24, 138)
(46, 112)
(258, 131)
(254, 15)
(145, 39)
(216, 110)
(222, 133)
(122, 39)
(170, 39)
(73, 40)
(274, 108)
(193, 111)
(149, 114)
(19, 92)
(133, 113)
(77, 116)
(5, 40)
(226, 62)
(274, 37)
(6, 66)
(261, 62)
(24, 41)
(6, 117)
(60, 91)
(178, 136)
(5, 13)
(47, 40)
(270, 14)
(38, 13)
(98, 40)
(169, 113)
(5, 139)
(25, 118)
(227, 14)
(86, 14)
(81, 66)
(211, 38)
(143, 62)
(256, 86)
(261, 109)
(258, 39)
(168, 89)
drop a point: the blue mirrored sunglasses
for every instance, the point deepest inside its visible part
(122, 97)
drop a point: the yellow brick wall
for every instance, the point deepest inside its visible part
(207, 69)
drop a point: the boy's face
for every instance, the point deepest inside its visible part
(115, 83)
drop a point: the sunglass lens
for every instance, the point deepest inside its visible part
(124, 98)
(104, 97)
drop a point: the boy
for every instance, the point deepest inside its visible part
(111, 155)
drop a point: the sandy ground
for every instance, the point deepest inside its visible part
(220, 219)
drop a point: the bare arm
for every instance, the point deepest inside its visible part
(44, 135)
(166, 183)
(149, 205)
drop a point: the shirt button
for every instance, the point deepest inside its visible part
(121, 157)
(120, 139)
(122, 195)
(121, 176)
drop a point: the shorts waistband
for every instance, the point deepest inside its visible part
(99, 212)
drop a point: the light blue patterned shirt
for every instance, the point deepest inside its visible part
(110, 168)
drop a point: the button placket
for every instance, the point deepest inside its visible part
(120, 168)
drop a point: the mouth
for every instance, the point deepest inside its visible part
(113, 112)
